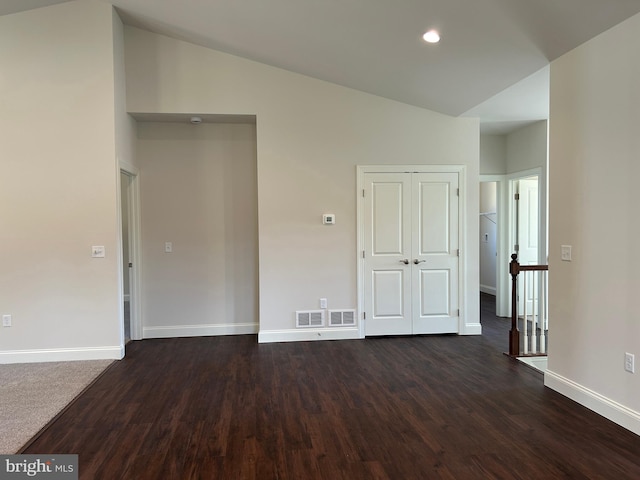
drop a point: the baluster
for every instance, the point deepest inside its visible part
(544, 313)
(534, 319)
(514, 333)
(525, 327)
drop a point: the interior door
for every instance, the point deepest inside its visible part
(411, 253)
(435, 252)
(527, 233)
(388, 254)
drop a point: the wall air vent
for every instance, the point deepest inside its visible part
(342, 318)
(309, 318)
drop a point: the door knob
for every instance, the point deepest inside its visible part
(405, 261)
(416, 261)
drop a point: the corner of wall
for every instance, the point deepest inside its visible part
(611, 410)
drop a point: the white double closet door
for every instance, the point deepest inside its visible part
(411, 253)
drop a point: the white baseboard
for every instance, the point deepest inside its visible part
(308, 334)
(62, 354)
(471, 329)
(614, 411)
(487, 289)
(200, 330)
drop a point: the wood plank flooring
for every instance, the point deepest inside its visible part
(426, 407)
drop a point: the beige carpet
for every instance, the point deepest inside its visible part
(31, 394)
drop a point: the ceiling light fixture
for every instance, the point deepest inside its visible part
(432, 36)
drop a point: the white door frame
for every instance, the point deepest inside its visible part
(135, 318)
(462, 221)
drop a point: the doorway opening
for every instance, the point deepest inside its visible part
(524, 226)
(125, 186)
(520, 228)
(130, 228)
(488, 228)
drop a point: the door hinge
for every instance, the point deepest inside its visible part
(516, 248)
(517, 196)
(458, 253)
(363, 254)
(363, 192)
(458, 313)
(457, 192)
(364, 315)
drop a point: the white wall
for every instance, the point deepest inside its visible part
(198, 191)
(310, 137)
(125, 125)
(594, 151)
(527, 150)
(493, 154)
(488, 236)
(58, 192)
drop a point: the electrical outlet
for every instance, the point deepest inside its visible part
(630, 362)
(6, 320)
(323, 303)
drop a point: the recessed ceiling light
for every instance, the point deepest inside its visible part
(432, 36)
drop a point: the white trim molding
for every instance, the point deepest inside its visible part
(611, 410)
(471, 329)
(308, 334)
(200, 330)
(487, 289)
(62, 354)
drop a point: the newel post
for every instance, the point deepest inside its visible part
(514, 333)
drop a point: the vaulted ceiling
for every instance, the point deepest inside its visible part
(489, 63)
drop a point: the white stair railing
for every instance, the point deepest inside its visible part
(533, 303)
(535, 307)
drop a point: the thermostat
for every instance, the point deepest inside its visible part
(329, 219)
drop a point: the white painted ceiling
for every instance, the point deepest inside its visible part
(490, 62)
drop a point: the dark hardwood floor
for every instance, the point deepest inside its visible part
(426, 407)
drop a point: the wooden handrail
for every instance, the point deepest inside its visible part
(514, 269)
(531, 268)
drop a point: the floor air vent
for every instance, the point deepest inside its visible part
(339, 318)
(310, 318)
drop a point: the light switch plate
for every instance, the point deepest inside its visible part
(329, 219)
(168, 247)
(97, 251)
(630, 362)
(565, 253)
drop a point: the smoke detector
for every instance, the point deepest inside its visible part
(196, 120)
